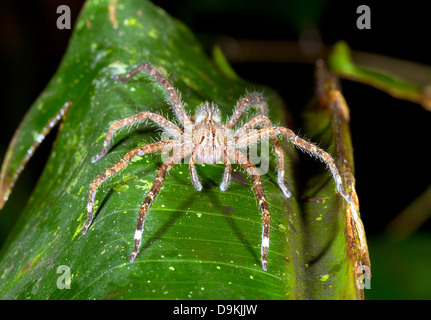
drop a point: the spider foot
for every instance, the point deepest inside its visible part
(134, 253)
(197, 185)
(138, 236)
(264, 265)
(286, 191)
(86, 227)
(341, 191)
(133, 256)
(120, 78)
(264, 251)
(223, 186)
(97, 157)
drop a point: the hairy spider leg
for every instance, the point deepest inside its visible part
(260, 101)
(193, 174)
(245, 162)
(242, 105)
(174, 97)
(164, 123)
(160, 177)
(254, 122)
(303, 145)
(195, 179)
(227, 172)
(149, 148)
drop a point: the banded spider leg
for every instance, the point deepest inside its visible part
(260, 101)
(301, 144)
(249, 167)
(149, 148)
(161, 173)
(168, 126)
(174, 98)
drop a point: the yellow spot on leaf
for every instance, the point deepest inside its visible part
(153, 33)
(132, 22)
(136, 158)
(324, 277)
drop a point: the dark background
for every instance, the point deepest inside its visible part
(390, 136)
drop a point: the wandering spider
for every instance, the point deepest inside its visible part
(206, 139)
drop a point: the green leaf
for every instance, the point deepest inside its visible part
(401, 79)
(196, 245)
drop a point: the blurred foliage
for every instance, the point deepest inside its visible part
(382, 76)
(400, 268)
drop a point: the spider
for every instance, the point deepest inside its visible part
(204, 138)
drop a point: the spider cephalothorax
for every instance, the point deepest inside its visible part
(207, 140)
(208, 136)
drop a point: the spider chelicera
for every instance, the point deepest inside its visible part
(205, 138)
